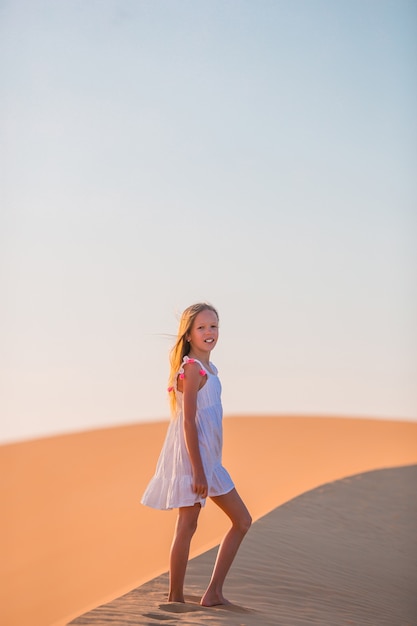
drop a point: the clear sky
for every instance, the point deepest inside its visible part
(257, 154)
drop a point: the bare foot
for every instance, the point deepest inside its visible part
(213, 599)
(172, 598)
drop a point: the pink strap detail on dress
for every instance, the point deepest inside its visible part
(186, 360)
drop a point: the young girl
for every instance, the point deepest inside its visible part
(190, 467)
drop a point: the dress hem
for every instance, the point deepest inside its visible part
(201, 501)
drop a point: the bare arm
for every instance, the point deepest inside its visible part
(191, 383)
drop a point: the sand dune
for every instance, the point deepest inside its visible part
(75, 536)
(344, 553)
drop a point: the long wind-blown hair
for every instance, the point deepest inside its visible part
(182, 346)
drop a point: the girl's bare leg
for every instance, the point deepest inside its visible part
(184, 530)
(232, 504)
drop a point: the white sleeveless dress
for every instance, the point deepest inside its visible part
(171, 485)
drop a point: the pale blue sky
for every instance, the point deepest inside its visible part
(259, 154)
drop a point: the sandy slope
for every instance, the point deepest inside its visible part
(344, 553)
(74, 534)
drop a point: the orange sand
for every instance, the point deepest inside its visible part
(342, 553)
(74, 534)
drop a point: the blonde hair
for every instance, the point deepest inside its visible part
(182, 346)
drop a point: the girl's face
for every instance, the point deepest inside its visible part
(204, 331)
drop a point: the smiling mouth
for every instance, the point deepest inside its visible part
(208, 340)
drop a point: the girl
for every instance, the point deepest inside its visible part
(190, 468)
